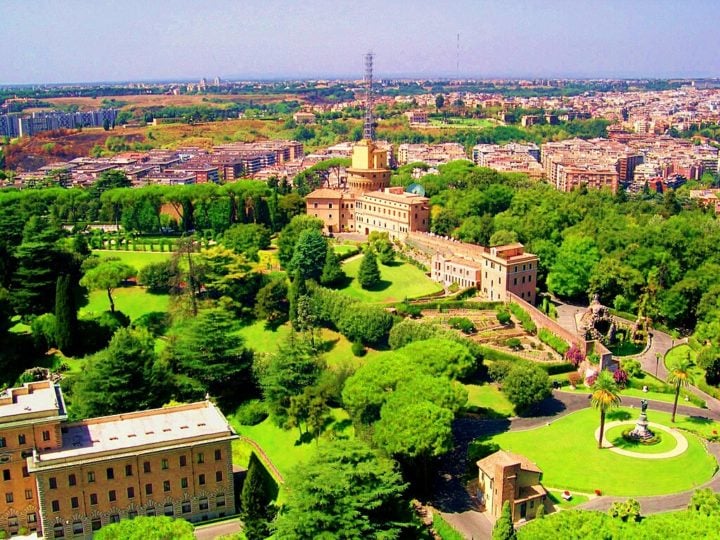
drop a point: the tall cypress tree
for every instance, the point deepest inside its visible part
(65, 313)
(504, 528)
(297, 289)
(258, 493)
(369, 273)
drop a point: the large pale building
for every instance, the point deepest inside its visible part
(369, 204)
(66, 480)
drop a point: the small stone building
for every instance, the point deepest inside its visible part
(504, 476)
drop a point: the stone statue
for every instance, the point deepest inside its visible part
(643, 405)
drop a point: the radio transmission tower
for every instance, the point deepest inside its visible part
(368, 130)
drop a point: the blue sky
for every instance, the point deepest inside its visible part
(102, 40)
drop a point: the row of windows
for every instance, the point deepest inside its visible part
(112, 494)
(529, 279)
(78, 527)
(13, 520)
(110, 471)
(22, 439)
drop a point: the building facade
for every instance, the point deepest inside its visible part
(67, 480)
(504, 476)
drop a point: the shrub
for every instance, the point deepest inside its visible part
(574, 355)
(526, 385)
(513, 343)
(358, 349)
(503, 317)
(631, 367)
(555, 342)
(155, 322)
(463, 324)
(159, 277)
(44, 331)
(408, 310)
(525, 320)
(555, 368)
(574, 378)
(444, 530)
(251, 412)
(621, 377)
(497, 371)
(628, 510)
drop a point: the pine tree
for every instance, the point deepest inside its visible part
(256, 498)
(504, 529)
(332, 272)
(369, 273)
(65, 314)
(297, 289)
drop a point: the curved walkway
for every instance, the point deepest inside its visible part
(680, 447)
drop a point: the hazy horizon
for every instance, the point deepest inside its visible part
(78, 41)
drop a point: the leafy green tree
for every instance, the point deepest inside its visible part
(291, 233)
(287, 373)
(147, 528)
(109, 180)
(504, 528)
(526, 385)
(108, 275)
(297, 291)
(705, 501)
(271, 302)
(503, 237)
(369, 273)
(476, 230)
(570, 275)
(309, 256)
(380, 243)
(680, 375)
(126, 376)
(160, 277)
(226, 274)
(65, 314)
(332, 272)
(211, 358)
(628, 510)
(247, 239)
(257, 509)
(444, 222)
(344, 491)
(34, 281)
(439, 102)
(365, 323)
(605, 395)
(440, 356)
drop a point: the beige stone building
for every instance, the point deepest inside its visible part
(66, 480)
(504, 476)
(369, 204)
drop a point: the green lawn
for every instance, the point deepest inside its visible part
(557, 500)
(666, 444)
(342, 249)
(399, 281)
(567, 453)
(132, 301)
(488, 396)
(336, 347)
(283, 446)
(137, 259)
(634, 392)
(262, 339)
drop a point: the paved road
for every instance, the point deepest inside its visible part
(209, 532)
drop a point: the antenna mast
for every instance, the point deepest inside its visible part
(368, 131)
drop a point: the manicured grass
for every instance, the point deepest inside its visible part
(626, 348)
(634, 392)
(567, 453)
(132, 301)
(488, 396)
(283, 446)
(336, 347)
(558, 502)
(477, 123)
(666, 444)
(136, 259)
(262, 339)
(342, 249)
(399, 281)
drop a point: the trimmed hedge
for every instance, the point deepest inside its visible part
(555, 342)
(557, 368)
(458, 304)
(525, 320)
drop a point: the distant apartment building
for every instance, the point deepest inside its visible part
(304, 117)
(431, 154)
(417, 117)
(21, 125)
(511, 157)
(494, 271)
(68, 479)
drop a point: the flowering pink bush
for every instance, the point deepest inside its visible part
(590, 379)
(574, 355)
(621, 377)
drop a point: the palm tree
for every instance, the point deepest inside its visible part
(605, 396)
(680, 375)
